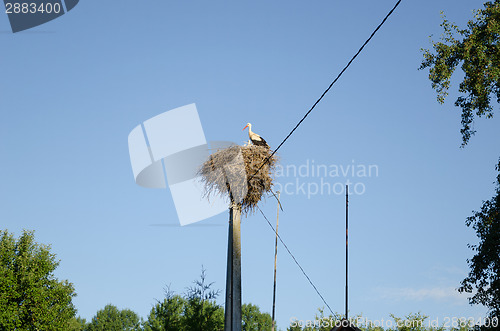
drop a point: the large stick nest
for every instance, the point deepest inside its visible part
(234, 172)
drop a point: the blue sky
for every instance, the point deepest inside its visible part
(74, 88)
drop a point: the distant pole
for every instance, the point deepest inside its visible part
(232, 315)
(346, 248)
(275, 259)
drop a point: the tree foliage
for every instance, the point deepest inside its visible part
(201, 311)
(197, 310)
(76, 324)
(254, 320)
(412, 322)
(167, 315)
(477, 49)
(321, 322)
(110, 318)
(484, 275)
(31, 297)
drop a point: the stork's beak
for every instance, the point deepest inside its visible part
(245, 128)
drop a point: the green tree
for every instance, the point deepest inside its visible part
(76, 324)
(484, 275)
(31, 297)
(477, 49)
(412, 322)
(197, 310)
(201, 312)
(321, 322)
(254, 320)
(167, 315)
(110, 318)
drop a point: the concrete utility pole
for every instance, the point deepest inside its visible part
(346, 249)
(232, 315)
(275, 260)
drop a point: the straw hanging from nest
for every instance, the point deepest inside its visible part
(226, 172)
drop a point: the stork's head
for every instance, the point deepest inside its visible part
(248, 126)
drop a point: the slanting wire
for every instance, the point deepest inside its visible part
(297, 262)
(329, 87)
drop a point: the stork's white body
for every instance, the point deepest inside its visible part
(255, 138)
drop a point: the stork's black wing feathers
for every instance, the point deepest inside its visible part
(260, 142)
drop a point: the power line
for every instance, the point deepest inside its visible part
(295, 128)
(297, 262)
(329, 87)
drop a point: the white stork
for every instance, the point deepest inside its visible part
(255, 138)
